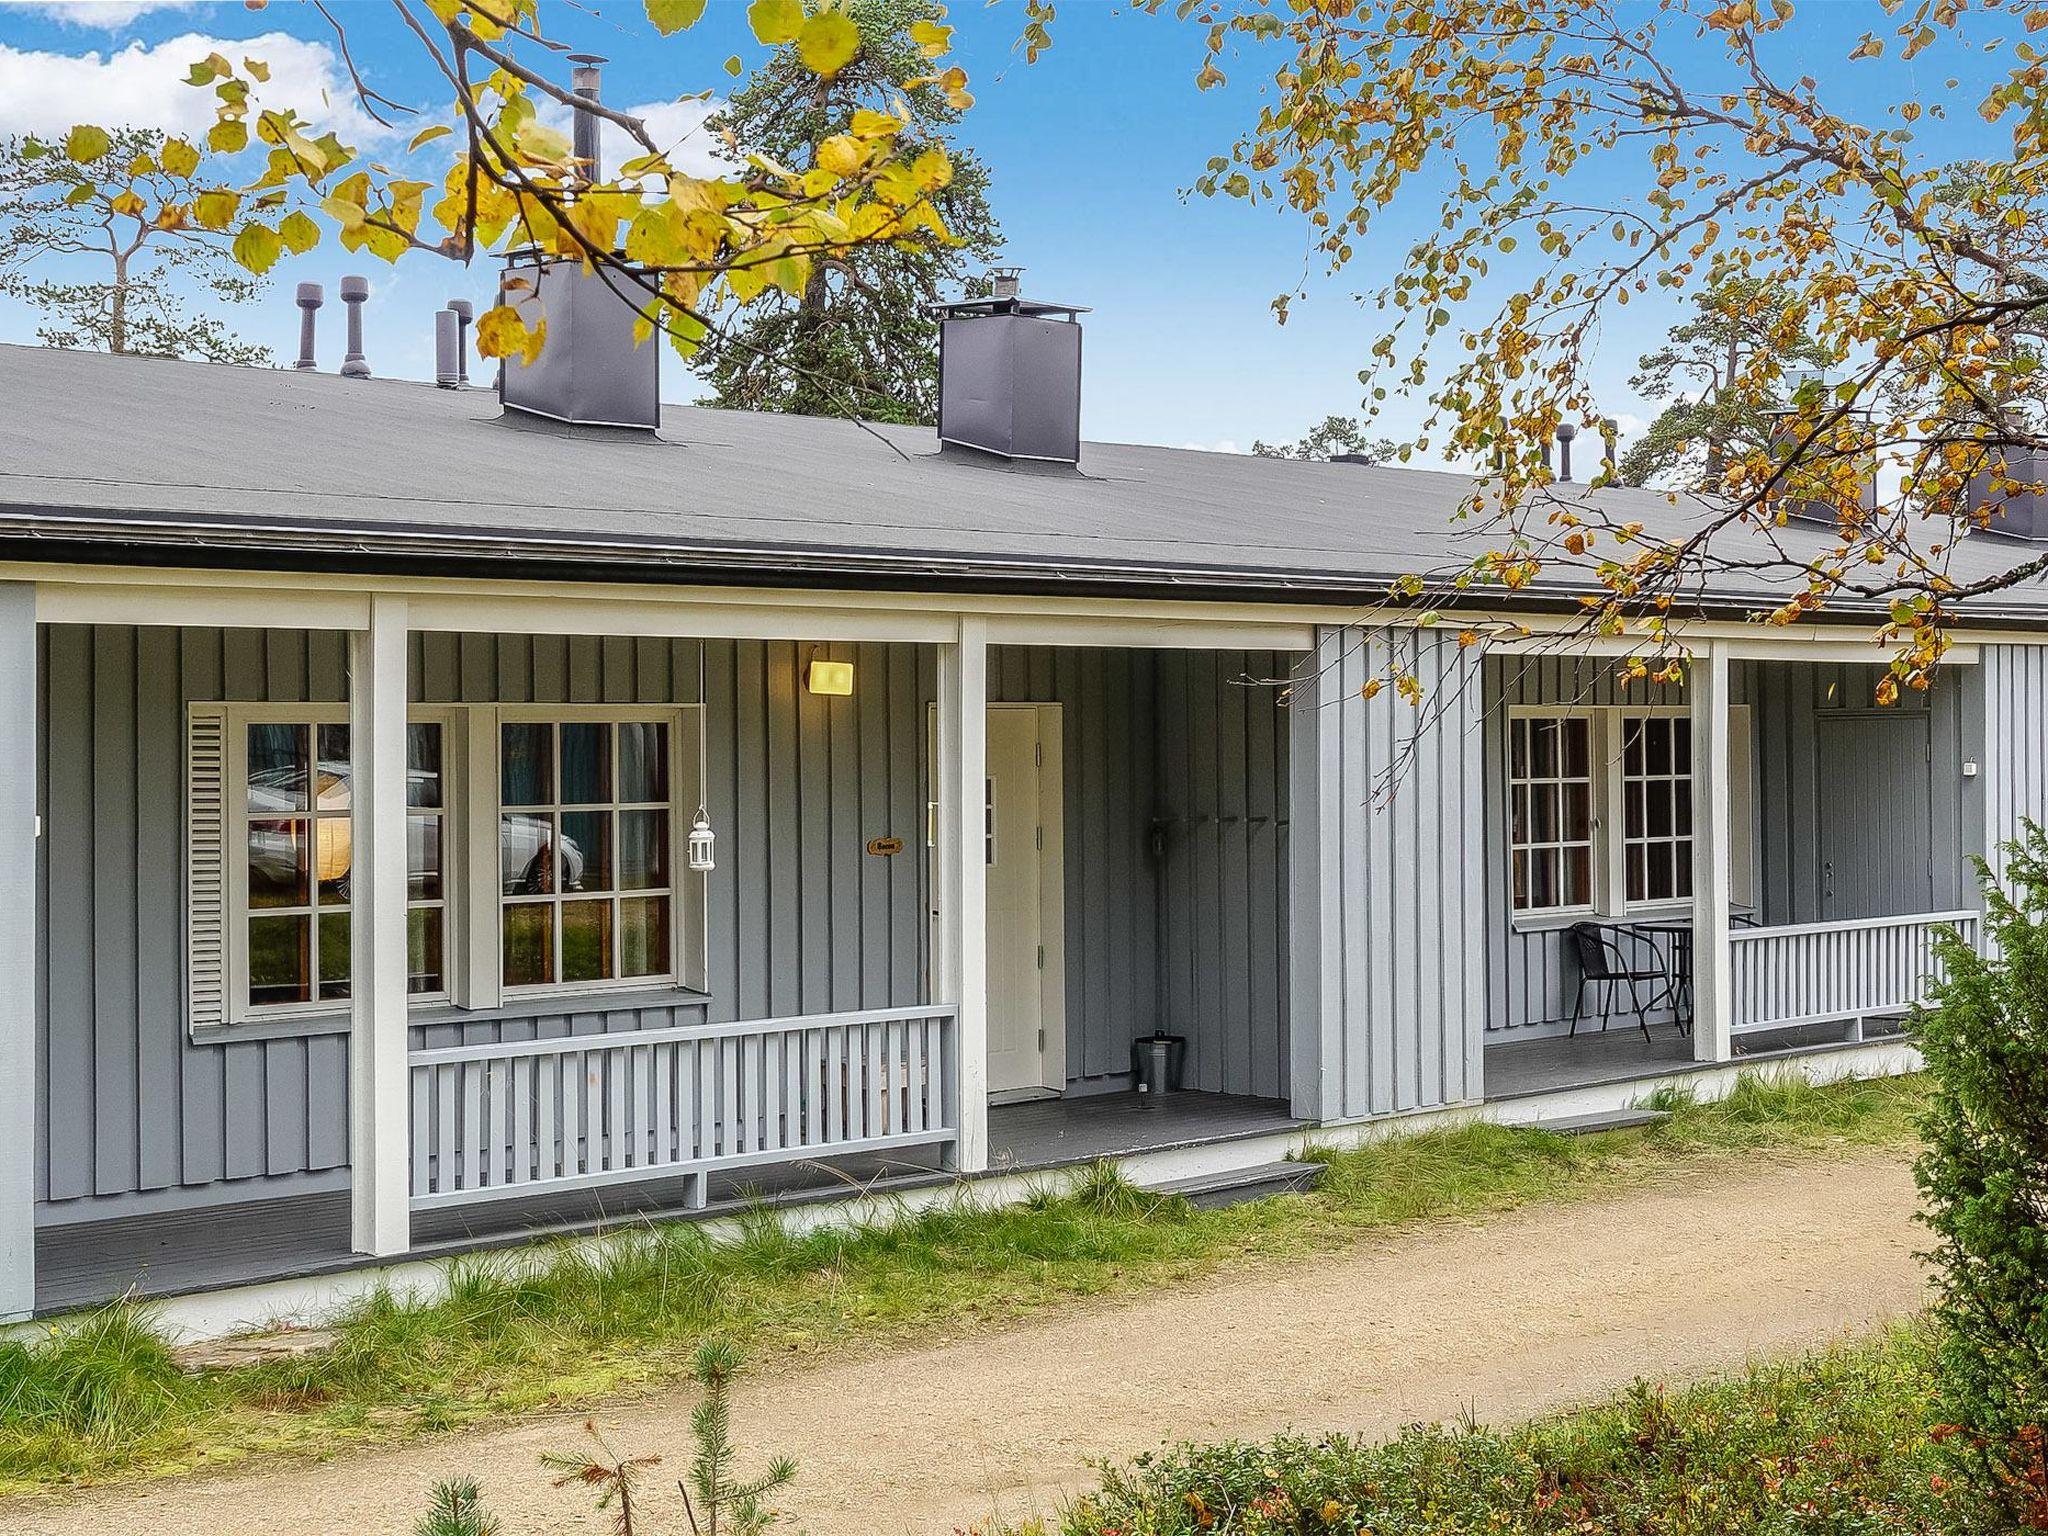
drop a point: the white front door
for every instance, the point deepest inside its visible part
(1021, 1058)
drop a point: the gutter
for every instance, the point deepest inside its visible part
(62, 535)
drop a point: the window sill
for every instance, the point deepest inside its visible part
(440, 1012)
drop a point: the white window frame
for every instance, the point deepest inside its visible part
(1560, 844)
(689, 906)
(237, 1008)
(1610, 821)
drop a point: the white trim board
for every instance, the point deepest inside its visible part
(114, 594)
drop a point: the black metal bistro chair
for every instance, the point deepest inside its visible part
(1603, 961)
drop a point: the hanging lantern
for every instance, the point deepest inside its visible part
(701, 839)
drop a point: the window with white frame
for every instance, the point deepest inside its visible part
(270, 861)
(1656, 826)
(1600, 808)
(1550, 812)
(543, 843)
(586, 845)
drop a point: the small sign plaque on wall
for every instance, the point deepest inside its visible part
(882, 847)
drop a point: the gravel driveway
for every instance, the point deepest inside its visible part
(1509, 1316)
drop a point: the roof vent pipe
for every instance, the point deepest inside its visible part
(1610, 440)
(584, 81)
(310, 298)
(464, 312)
(447, 349)
(354, 290)
(1565, 433)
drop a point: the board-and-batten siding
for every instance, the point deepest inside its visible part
(1176, 854)
(1532, 975)
(1386, 882)
(2009, 709)
(131, 1110)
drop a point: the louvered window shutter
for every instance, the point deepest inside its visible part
(206, 969)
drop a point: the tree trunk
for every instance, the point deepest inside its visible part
(117, 307)
(1717, 440)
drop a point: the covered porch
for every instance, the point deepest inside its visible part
(1755, 865)
(416, 954)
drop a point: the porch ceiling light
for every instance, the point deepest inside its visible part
(830, 677)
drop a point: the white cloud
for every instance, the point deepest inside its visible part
(106, 14)
(143, 86)
(677, 127)
(1221, 445)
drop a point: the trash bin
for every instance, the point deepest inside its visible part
(1157, 1062)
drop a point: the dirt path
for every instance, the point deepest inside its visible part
(1521, 1313)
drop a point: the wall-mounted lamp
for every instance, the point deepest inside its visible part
(829, 677)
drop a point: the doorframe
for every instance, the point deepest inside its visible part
(1052, 895)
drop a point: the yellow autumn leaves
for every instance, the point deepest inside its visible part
(515, 178)
(826, 40)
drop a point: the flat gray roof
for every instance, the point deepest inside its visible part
(197, 463)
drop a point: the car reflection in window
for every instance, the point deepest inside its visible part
(277, 830)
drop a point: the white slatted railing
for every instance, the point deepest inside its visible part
(1829, 973)
(575, 1112)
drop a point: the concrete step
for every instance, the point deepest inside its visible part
(1606, 1120)
(1213, 1190)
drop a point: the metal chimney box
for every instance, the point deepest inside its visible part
(588, 373)
(1010, 378)
(2022, 514)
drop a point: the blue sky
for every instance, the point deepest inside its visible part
(1091, 148)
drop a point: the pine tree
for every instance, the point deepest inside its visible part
(1712, 419)
(118, 216)
(859, 339)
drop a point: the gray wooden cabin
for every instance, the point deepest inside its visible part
(372, 916)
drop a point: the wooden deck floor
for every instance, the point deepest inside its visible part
(166, 1254)
(1520, 1067)
(1049, 1133)
(1515, 1069)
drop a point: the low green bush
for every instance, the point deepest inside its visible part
(1839, 1443)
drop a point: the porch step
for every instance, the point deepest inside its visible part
(1606, 1120)
(1210, 1191)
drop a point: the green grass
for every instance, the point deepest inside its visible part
(571, 1323)
(1839, 1443)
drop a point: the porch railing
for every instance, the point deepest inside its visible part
(1840, 972)
(576, 1112)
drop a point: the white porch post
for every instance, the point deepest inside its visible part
(1712, 863)
(18, 939)
(379, 1132)
(963, 879)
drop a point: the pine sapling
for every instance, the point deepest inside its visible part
(457, 1509)
(717, 1501)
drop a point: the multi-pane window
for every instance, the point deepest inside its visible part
(296, 830)
(1656, 784)
(299, 862)
(585, 849)
(1550, 812)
